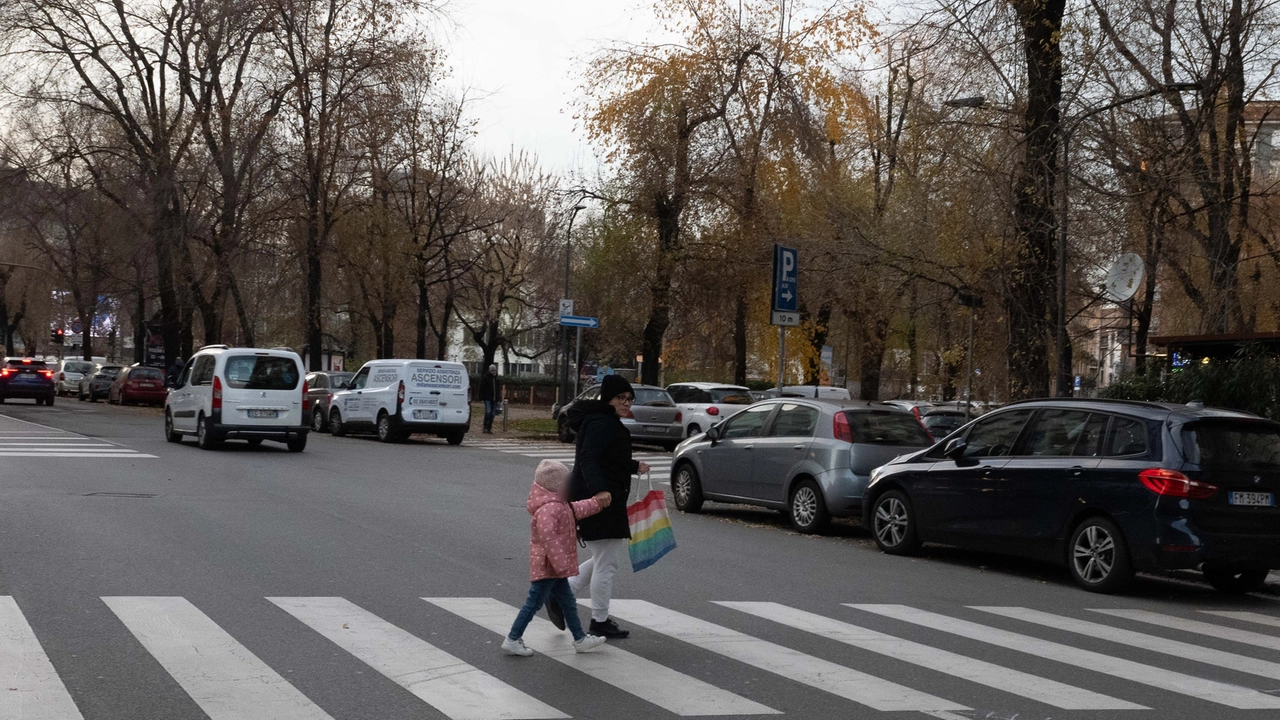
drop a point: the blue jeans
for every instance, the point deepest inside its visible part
(557, 589)
(490, 409)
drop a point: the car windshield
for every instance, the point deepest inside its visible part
(887, 428)
(261, 372)
(945, 421)
(1232, 445)
(77, 367)
(146, 373)
(730, 396)
(656, 398)
(340, 380)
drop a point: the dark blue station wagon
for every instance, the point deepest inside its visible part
(1109, 488)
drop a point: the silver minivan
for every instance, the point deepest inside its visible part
(811, 459)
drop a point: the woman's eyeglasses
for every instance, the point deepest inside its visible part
(628, 399)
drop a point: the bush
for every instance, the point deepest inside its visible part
(1250, 381)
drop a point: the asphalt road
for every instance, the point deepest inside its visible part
(144, 580)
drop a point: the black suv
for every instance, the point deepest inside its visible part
(27, 378)
(1106, 487)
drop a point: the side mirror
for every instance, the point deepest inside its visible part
(955, 448)
(713, 433)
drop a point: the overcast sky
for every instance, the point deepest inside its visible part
(521, 59)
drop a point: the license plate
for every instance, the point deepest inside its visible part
(146, 385)
(654, 428)
(1251, 499)
(264, 414)
(425, 414)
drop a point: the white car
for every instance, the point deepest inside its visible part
(397, 398)
(67, 377)
(249, 394)
(704, 404)
(817, 392)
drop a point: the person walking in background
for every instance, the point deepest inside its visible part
(175, 372)
(603, 464)
(553, 554)
(491, 396)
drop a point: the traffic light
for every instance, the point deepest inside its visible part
(55, 336)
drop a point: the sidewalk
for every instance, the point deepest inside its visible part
(524, 422)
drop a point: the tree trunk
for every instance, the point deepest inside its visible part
(871, 358)
(913, 349)
(315, 332)
(740, 340)
(816, 333)
(420, 320)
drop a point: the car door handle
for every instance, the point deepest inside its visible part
(749, 447)
(1076, 469)
(797, 447)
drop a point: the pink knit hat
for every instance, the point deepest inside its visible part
(552, 475)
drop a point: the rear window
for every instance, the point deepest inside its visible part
(730, 396)
(1232, 445)
(340, 380)
(78, 367)
(38, 364)
(146, 373)
(109, 371)
(261, 372)
(656, 398)
(887, 428)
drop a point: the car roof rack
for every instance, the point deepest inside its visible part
(217, 346)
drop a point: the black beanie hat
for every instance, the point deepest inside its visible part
(613, 386)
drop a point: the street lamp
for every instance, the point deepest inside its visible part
(564, 332)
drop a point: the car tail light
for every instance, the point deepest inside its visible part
(915, 410)
(679, 416)
(713, 410)
(46, 373)
(400, 394)
(217, 393)
(841, 429)
(306, 397)
(1172, 483)
(468, 395)
(62, 376)
(6, 372)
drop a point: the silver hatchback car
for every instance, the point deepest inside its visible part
(811, 459)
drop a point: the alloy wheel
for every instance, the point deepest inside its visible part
(891, 522)
(1094, 554)
(684, 486)
(804, 506)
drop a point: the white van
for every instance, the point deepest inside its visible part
(397, 398)
(242, 393)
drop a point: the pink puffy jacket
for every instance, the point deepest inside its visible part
(553, 545)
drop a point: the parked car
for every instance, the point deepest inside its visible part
(251, 394)
(397, 398)
(654, 417)
(138, 384)
(820, 392)
(915, 407)
(98, 384)
(941, 422)
(704, 404)
(320, 389)
(811, 459)
(69, 373)
(1108, 488)
(27, 378)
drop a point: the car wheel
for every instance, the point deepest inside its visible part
(386, 433)
(693, 430)
(49, 400)
(39, 401)
(687, 489)
(170, 434)
(297, 444)
(1235, 581)
(455, 437)
(563, 433)
(893, 523)
(335, 424)
(205, 437)
(80, 395)
(1098, 556)
(807, 510)
(317, 420)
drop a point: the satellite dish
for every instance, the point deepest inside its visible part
(1123, 278)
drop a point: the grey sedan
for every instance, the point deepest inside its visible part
(811, 459)
(654, 418)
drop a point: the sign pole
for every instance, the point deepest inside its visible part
(782, 355)
(577, 358)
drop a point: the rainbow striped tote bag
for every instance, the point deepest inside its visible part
(651, 535)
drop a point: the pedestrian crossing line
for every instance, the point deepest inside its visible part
(132, 455)
(1253, 617)
(1049, 692)
(845, 682)
(6, 437)
(1208, 656)
(222, 676)
(673, 691)
(1235, 696)
(1244, 637)
(61, 445)
(29, 686)
(455, 688)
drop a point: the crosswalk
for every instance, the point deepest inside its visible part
(843, 659)
(659, 461)
(24, 439)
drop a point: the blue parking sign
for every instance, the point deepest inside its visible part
(786, 292)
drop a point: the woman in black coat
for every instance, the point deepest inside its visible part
(602, 463)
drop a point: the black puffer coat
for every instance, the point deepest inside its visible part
(602, 462)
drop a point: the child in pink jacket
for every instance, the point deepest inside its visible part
(553, 554)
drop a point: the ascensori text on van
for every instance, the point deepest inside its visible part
(398, 398)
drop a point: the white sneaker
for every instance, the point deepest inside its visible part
(588, 643)
(516, 647)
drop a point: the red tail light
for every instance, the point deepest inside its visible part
(46, 373)
(400, 393)
(468, 395)
(6, 372)
(62, 376)
(840, 428)
(679, 416)
(217, 393)
(713, 411)
(1172, 483)
(306, 398)
(915, 410)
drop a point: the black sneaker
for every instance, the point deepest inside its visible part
(608, 629)
(555, 614)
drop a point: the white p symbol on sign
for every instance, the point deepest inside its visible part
(788, 265)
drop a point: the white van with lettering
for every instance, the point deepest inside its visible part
(398, 398)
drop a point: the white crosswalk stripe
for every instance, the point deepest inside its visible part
(29, 686)
(673, 691)
(1252, 617)
(20, 438)
(1216, 692)
(1245, 637)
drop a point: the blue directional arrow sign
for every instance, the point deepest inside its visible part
(785, 285)
(579, 321)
